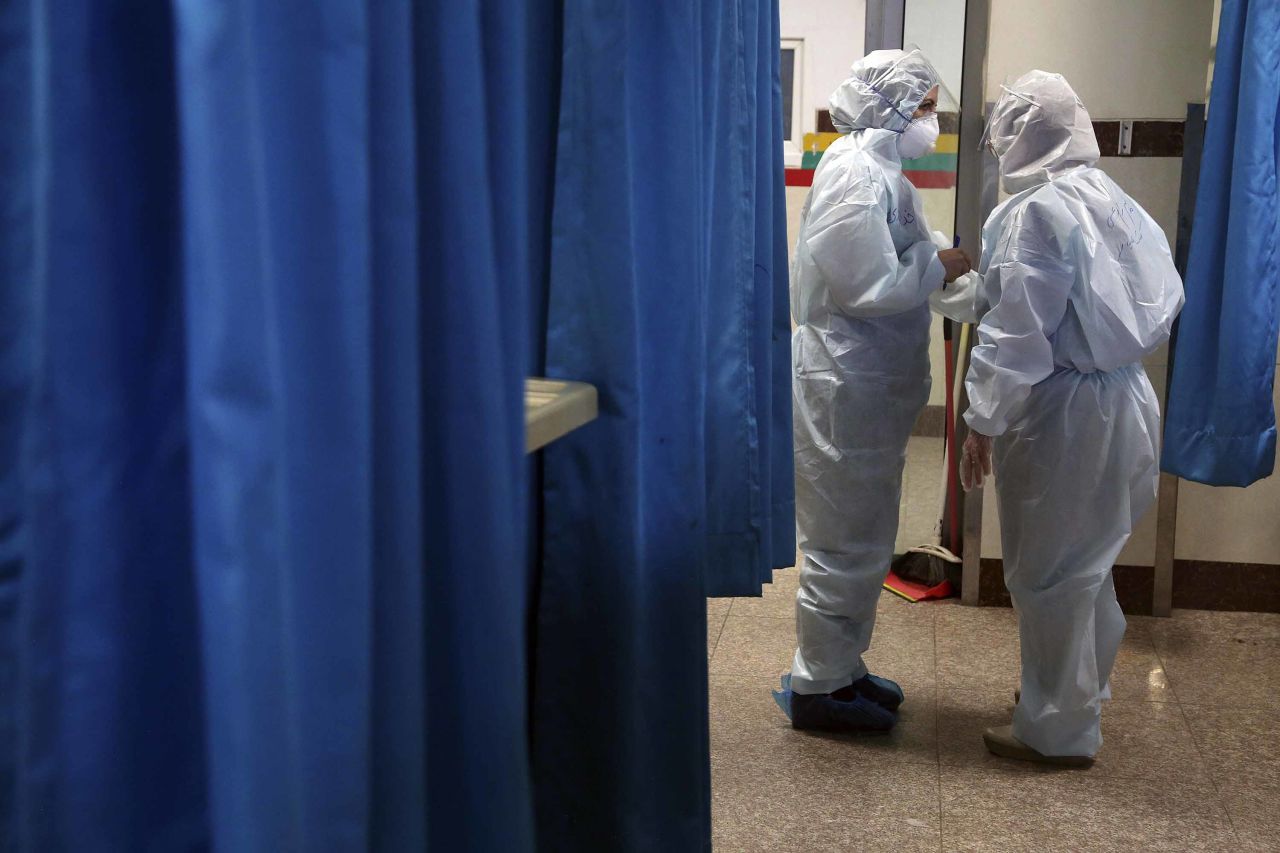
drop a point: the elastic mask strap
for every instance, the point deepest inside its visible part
(890, 104)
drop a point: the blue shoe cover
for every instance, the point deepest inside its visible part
(783, 696)
(882, 691)
(824, 713)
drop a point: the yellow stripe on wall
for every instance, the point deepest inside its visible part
(819, 141)
(948, 143)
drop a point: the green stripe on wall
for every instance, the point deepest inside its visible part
(927, 163)
(932, 163)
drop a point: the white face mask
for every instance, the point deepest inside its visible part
(919, 137)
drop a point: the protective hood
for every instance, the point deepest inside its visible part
(1040, 129)
(884, 88)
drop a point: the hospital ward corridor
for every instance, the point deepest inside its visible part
(611, 426)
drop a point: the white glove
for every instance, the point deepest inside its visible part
(975, 461)
(959, 299)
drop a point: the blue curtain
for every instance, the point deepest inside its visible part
(668, 292)
(1220, 427)
(16, 237)
(271, 277)
(750, 487)
(110, 702)
(266, 494)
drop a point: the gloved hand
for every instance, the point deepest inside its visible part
(959, 300)
(956, 262)
(975, 460)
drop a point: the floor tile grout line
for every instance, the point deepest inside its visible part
(937, 701)
(1034, 772)
(718, 634)
(942, 838)
(1195, 741)
(1204, 759)
(937, 734)
(879, 616)
(1164, 667)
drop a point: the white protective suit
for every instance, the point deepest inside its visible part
(863, 269)
(1079, 286)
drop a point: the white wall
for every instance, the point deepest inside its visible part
(833, 32)
(1125, 58)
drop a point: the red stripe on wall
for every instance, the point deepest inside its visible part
(931, 180)
(799, 177)
(922, 180)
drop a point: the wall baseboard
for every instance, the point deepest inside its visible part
(931, 422)
(1197, 585)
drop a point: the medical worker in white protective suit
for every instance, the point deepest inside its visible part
(1079, 285)
(864, 268)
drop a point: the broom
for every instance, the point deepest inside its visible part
(923, 571)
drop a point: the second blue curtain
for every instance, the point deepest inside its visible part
(1220, 427)
(668, 292)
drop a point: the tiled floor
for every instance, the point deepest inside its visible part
(1191, 759)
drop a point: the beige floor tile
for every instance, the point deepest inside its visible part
(745, 718)
(1138, 628)
(1235, 674)
(1149, 740)
(1252, 799)
(1146, 740)
(1249, 841)
(1138, 673)
(903, 652)
(777, 601)
(765, 646)
(764, 801)
(1189, 629)
(1237, 740)
(978, 649)
(963, 715)
(1077, 810)
(894, 610)
(978, 621)
(754, 646)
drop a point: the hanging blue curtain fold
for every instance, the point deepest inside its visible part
(750, 488)
(1220, 424)
(16, 255)
(668, 294)
(268, 498)
(271, 279)
(110, 701)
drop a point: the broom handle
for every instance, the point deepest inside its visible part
(940, 524)
(953, 471)
(948, 429)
